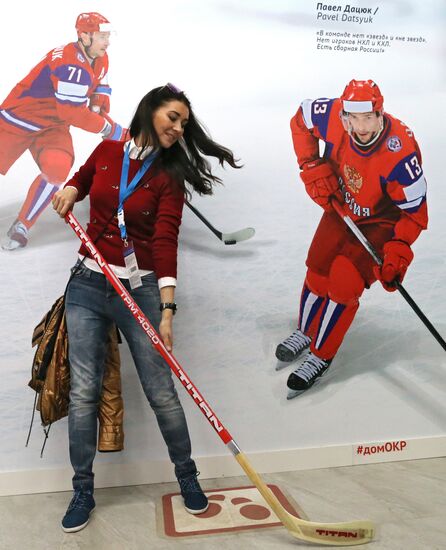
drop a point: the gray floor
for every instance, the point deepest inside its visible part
(407, 500)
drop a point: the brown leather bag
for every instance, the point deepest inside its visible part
(50, 378)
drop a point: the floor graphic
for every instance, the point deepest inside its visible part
(230, 509)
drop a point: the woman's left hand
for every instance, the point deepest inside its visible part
(165, 329)
(64, 200)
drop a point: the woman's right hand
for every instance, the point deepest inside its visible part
(64, 200)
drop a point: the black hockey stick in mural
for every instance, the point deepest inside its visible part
(332, 534)
(227, 238)
(366, 244)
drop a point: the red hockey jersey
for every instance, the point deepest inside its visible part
(56, 92)
(382, 183)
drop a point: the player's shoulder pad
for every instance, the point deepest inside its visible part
(406, 169)
(399, 147)
(73, 67)
(400, 140)
(316, 113)
(68, 53)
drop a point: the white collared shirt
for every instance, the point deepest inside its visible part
(134, 150)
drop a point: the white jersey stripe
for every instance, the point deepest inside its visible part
(72, 89)
(44, 194)
(411, 204)
(19, 122)
(71, 98)
(416, 189)
(309, 302)
(306, 111)
(325, 321)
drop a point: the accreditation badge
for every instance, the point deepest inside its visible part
(132, 265)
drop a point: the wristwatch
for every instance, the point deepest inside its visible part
(168, 305)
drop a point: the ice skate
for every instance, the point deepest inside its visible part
(306, 375)
(16, 237)
(292, 347)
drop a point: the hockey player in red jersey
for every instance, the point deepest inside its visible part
(372, 165)
(67, 88)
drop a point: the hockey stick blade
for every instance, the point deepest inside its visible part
(227, 238)
(238, 236)
(332, 534)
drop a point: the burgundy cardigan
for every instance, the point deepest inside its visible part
(152, 213)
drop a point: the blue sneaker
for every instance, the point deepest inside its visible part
(195, 501)
(78, 513)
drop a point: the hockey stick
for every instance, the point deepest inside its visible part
(335, 534)
(366, 244)
(227, 238)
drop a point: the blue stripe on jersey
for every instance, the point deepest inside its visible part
(106, 90)
(73, 74)
(73, 85)
(407, 170)
(320, 113)
(41, 87)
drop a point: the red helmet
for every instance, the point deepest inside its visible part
(362, 96)
(92, 22)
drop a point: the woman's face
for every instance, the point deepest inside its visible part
(169, 121)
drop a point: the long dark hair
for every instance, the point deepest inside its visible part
(184, 161)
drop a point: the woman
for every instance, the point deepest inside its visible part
(137, 192)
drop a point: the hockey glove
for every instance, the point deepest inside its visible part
(397, 258)
(114, 131)
(320, 182)
(100, 100)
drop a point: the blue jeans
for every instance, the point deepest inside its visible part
(92, 305)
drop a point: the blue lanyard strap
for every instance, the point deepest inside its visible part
(126, 189)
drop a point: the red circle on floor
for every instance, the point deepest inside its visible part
(254, 511)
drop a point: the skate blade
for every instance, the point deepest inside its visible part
(294, 393)
(282, 365)
(10, 244)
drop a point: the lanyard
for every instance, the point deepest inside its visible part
(126, 189)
